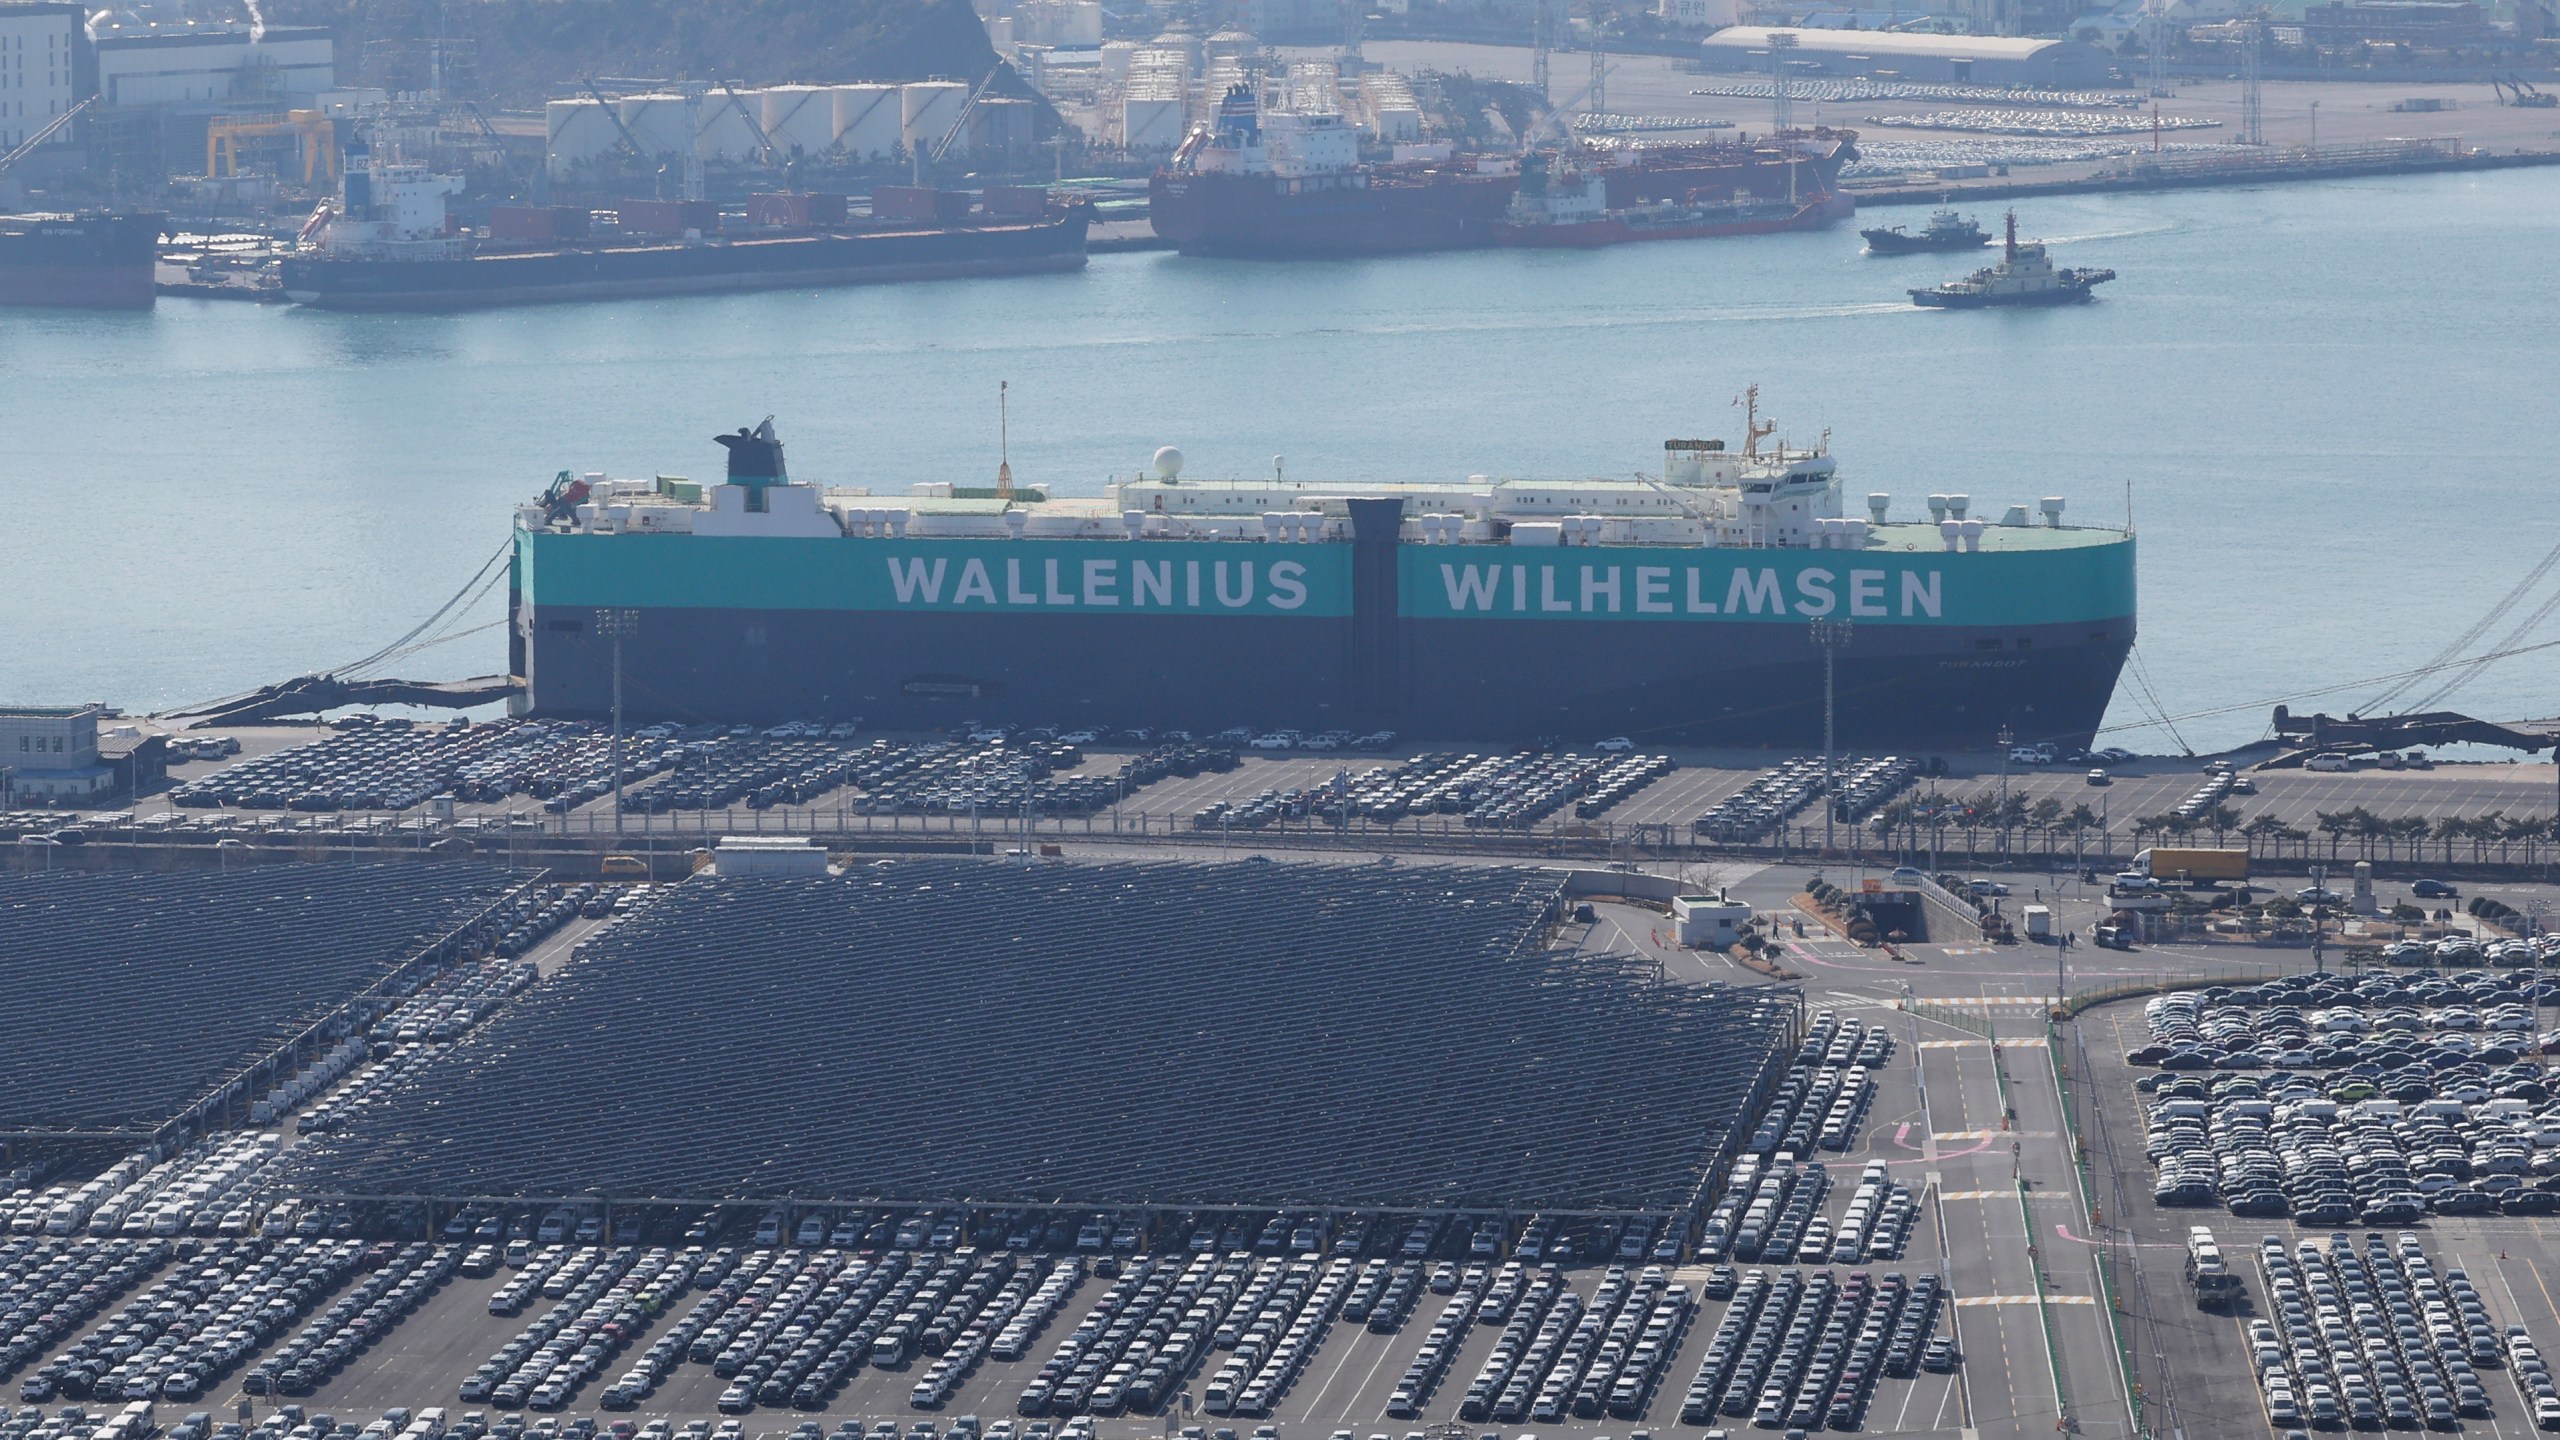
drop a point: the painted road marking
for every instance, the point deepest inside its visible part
(2026, 1300)
(2055, 1195)
(1983, 1002)
(2024, 1043)
(1952, 1135)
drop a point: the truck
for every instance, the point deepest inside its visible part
(2196, 866)
(2039, 920)
(2214, 1282)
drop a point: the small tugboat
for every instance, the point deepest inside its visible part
(1947, 231)
(2024, 276)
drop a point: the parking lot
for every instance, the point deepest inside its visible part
(688, 783)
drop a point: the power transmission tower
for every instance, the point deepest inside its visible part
(2252, 37)
(1780, 115)
(1599, 89)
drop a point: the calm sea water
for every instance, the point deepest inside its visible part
(2331, 407)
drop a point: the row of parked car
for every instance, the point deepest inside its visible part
(2372, 1338)
(398, 765)
(195, 1322)
(399, 1279)
(2504, 954)
(2275, 1145)
(2333, 1020)
(1805, 1350)
(50, 1288)
(1603, 1357)
(1862, 785)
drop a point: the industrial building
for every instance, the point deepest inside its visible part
(45, 68)
(1927, 59)
(283, 65)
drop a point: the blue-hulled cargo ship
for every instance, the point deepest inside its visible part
(1674, 606)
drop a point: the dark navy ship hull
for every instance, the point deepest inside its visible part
(1487, 679)
(760, 263)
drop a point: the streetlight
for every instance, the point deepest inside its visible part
(2004, 739)
(1830, 635)
(616, 624)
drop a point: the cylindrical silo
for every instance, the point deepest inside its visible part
(800, 118)
(658, 123)
(926, 112)
(726, 137)
(578, 132)
(867, 120)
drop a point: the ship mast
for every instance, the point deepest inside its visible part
(1754, 429)
(2010, 256)
(1004, 445)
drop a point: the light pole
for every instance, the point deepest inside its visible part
(1830, 635)
(2004, 739)
(615, 624)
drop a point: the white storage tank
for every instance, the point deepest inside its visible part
(926, 112)
(579, 132)
(866, 120)
(1151, 118)
(1083, 28)
(799, 118)
(1116, 55)
(726, 136)
(658, 123)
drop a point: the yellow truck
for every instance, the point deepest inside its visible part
(2193, 866)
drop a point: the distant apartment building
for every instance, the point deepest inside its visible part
(44, 68)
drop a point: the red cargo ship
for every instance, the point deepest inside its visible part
(99, 260)
(1288, 185)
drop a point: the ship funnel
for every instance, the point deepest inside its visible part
(755, 456)
(1972, 534)
(1877, 503)
(2053, 511)
(1937, 509)
(1952, 532)
(1958, 504)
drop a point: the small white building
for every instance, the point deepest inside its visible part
(42, 57)
(1708, 922)
(769, 855)
(49, 755)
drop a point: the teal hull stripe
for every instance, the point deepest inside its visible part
(1991, 589)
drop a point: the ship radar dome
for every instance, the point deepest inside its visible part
(1168, 463)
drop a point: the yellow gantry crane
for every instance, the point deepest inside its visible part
(317, 137)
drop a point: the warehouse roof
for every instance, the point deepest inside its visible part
(1884, 42)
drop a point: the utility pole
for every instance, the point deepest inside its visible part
(616, 624)
(2005, 739)
(1830, 635)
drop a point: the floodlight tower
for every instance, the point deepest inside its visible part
(1598, 90)
(2155, 30)
(2252, 42)
(1780, 42)
(1538, 48)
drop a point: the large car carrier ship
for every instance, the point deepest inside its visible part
(1674, 606)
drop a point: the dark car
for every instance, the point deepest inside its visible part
(2433, 890)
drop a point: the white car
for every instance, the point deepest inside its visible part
(1614, 745)
(1272, 742)
(2327, 764)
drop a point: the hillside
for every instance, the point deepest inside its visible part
(525, 50)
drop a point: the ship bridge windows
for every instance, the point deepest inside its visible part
(565, 627)
(1989, 642)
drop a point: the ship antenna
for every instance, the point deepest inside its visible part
(2012, 255)
(1004, 445)
(1754, 430)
